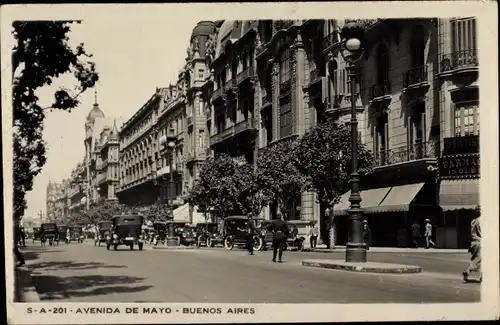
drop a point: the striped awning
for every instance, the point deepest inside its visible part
(459, 194)
(370, 199)
(399, 198)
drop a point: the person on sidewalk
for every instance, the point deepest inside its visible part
(313, 235)
(280, 232)
(415, 233)
(17, 253)
(428, 234)
(366, 234)
(251, 232)
(474, 248)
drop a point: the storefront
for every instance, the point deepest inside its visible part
(392, 199)
(458, 183)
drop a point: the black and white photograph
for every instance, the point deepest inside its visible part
(167, 156)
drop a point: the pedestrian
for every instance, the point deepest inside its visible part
(280, 233)
(415, 233)
(17, 253)
(327, 234)
(22, 237)
(313, 235)
(250, 233)
(366, 234)
(475, 247)
(428, 234)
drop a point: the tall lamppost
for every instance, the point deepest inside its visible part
(169, 142)
(351, 37)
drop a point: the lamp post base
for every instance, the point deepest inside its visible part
(172, 242)
(355, 253)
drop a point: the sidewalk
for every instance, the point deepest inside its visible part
(24, 288)
(323, 249)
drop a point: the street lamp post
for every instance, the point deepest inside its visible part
(351, 38)
(169, 142)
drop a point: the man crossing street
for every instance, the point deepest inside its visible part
(251, 231)
(280, 233)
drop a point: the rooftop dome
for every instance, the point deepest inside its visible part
(203, 28)
(95, 112)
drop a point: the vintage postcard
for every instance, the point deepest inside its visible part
(255, 162)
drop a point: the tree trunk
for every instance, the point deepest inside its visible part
(332, 229)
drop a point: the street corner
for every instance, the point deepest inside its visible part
(366, 267)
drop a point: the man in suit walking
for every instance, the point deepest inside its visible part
(280, 233)
(475, 248)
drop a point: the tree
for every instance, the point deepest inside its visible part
(215, 189)
(103, 211)
(278, 175)
(251, 196)
(324, 157)
(40, 55)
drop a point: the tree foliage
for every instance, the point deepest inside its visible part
(215, 188)
(278, 175)
(324, 156)
(251, 196)
(102, 211)
(41, 53)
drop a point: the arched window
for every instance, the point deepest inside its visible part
(382, 65)
(417, 46)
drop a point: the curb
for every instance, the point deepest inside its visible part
(25, 285)
(375, 250)
(368, 267)
(173, 248)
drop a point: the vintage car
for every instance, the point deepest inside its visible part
(49, 232)
(103, 232)
(160, 232)
(293, 242)
(77, 234)
(183, 232)
(207, 234)
(236, 233)
(126, 230)
(36, 234)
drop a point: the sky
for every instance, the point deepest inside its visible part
(131, 62)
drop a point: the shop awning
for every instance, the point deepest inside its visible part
(370, 199)
(459, 194)
(399, 198)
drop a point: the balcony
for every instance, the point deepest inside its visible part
(381, 92)
(330, 40)
(246, 75)
(416, 78)
(190, 157)
(458, 62)
(217, 94)
(230, 86)
(416, 151)
(221, 136)
(285, 87)
(314, 76)
(101, 178)
(189, 120)
(246, 125)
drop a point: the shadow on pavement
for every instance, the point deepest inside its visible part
(56, 288)
(69, 265)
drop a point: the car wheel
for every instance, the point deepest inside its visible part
(300, 246)
(115, 247)
(209, 242)
(141, 246)
(228, 243)
(258, 243)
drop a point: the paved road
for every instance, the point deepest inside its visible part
(82, 272)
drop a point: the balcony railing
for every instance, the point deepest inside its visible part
(285, 87)
(380, 90)
(415, 76)
(459, 60)
(245, 74)
(218, 93)
(314, 75)
(230, 85)
(416, 151)
(247, 124)
(330, 40)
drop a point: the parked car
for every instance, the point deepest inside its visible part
(206, 232)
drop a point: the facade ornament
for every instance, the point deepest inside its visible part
(210, 46)
(189, 53)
